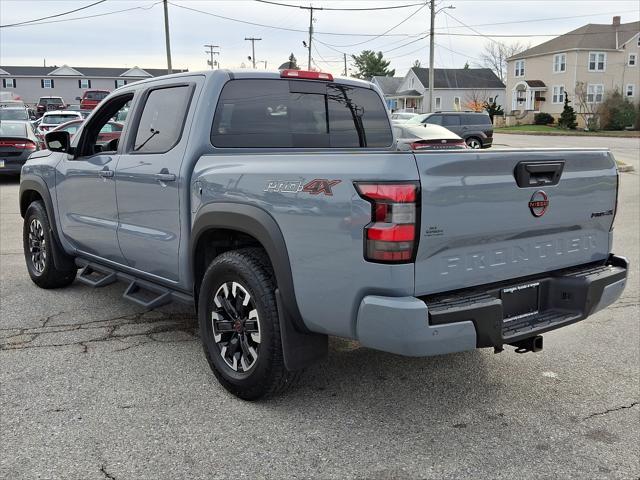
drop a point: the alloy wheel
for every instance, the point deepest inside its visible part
(473, 143)
(37, 245)
(236, 326)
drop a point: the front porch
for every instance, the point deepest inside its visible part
(528, 95)
(408, 101)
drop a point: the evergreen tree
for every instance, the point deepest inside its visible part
(293, 62)
(370, 63)
(466, 66)
(568, 116)
(493, 108)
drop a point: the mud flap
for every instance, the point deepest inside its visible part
(300, 350)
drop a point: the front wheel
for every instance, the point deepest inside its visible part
(39, 249)
(239, 325)
(473, 142)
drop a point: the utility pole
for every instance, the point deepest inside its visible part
(311, 9)
(211, 53)
(253, 49)
(166, 36)
(345, 64)
(431, 52)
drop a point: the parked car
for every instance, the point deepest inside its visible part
(427, 137)
(475, 128)
(91, 98)
(444, 251)
(18, 112)
(51, 120)
(17, 142)
(401, 117)
(46, 104)
(110, 130)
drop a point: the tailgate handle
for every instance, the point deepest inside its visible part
(537, 174)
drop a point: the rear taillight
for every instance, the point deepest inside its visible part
(615, 207)
(20, 144)
(438, 144)
(391, 235)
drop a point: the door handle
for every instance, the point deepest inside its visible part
(165, 176)
(106, 173)
(537, 174)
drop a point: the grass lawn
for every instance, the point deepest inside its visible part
(547, 130)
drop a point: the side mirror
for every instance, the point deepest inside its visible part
(58, 141)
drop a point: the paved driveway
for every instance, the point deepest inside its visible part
(93, 387)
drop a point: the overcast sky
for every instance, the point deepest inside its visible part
(136, 37)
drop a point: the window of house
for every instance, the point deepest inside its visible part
(597, 61)
(120, 83)
(560, 62)
(456, 103)
(633, 60)
(595, 92)
(519, 71)
(630, 90)
(46, 83)
(8, 83)
(438, 103)
(84, 83)
(286, 114)
(558, 94)
(162, 119)
(490, 100)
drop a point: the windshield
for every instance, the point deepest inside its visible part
(57, 119)
(53, 101)
(13, 114)
(417, 119)
(95, 95)
(13, 130)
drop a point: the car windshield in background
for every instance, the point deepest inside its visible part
(50, 101)
(417, 119)
(96, 95)
(58, 119)
(13, 114)
(296, 114)
(13, 130)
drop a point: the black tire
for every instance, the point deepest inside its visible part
(265, 373)
(39, 248)
(474, 142)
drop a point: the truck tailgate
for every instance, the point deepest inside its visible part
(495, 215)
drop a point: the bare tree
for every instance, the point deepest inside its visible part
(588, 105)
(495, 56)
(476, 100)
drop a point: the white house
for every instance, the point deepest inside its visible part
(454, 89)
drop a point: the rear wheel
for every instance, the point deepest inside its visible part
(39, 249)
(474, 142)
(239, 325)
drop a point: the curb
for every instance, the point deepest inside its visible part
(565, 134)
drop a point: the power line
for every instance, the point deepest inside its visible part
(53, 16)
(89, 16)
(342, 9)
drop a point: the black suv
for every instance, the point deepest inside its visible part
(475, 128)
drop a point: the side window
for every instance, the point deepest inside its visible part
(90, 142)
(434, 119)
(451, 121)
(162, 120)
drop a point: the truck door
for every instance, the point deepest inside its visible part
(148, 181)
(86, 191)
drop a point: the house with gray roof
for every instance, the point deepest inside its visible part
(454, 89)
(30, 83)
(602, 57)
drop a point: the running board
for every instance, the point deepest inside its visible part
(147, 295)
(97, 276)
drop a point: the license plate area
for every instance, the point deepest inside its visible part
(520, 301)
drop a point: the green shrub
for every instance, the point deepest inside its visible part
(542, 118)
(568, 116)
(616, 112)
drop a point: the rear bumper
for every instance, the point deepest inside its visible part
(12, 165)
(473, 318)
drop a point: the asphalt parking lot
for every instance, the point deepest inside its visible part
(94, 387)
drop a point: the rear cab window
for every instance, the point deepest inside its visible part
(274, 113)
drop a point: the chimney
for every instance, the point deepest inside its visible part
(616, 21)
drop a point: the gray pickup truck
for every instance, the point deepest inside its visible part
(278, 206)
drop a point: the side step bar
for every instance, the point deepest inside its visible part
(142, 292)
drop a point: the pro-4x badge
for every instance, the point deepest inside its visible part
(314, 187)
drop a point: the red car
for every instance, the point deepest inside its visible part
(110, 131)
(91, 98)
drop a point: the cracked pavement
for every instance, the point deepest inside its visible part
(95, 387)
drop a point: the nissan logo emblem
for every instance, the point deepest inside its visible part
(539, 203)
